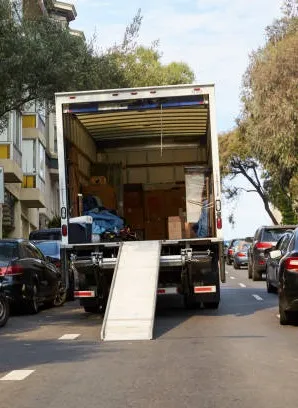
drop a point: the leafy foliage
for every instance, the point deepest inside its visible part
(39, 57)
(267, 133)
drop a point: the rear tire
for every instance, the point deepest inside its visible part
(236, 266)
(32, 304)
(249, 271)
(256, 276)
(61, 295)
(211, 305)
(270, 288)
(284, 318)
(4, 310)
(190, 301)
(91, 309)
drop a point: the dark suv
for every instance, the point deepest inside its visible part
(264, 238)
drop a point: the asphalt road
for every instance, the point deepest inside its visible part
(237, 356)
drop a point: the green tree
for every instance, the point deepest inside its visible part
(270, 100)
(237, 159)
(39, 57)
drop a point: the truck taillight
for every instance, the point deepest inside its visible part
(64, 230)
(291, 264)
(219, 223)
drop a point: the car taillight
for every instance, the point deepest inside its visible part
(230, 252)
(241, 254)
(219, 223)
(14, 270)
(58, 264)
(263, 245)
(291, 264)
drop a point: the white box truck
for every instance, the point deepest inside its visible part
(152, 154)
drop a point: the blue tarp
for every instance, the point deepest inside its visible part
(104, 221)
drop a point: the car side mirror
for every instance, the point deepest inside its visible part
(275, 254)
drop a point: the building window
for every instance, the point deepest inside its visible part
(42, 161)
(29, 157)
(17, 129)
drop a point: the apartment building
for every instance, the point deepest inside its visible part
(28, 150)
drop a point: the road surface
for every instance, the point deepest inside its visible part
(237, 356)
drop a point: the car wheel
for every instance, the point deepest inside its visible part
(4, 310)
(270, 288)
(236, 266)
(211, 305)
(284, 318)
(61, 295)
(91, 309)
(190, 301)
(249, 271)
(255, 275)
(32, 304)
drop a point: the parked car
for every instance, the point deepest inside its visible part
(27, 278)
(46, 234)
(4, 308)
(226, 247)
(272, 264)
(231, 249)
(264, 238)
(240, 254)
(51, 249)
(286, 255)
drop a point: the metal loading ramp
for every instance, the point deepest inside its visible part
(132, 300)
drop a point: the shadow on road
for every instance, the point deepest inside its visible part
(234, 301)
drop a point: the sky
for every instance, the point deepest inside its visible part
(215, 37)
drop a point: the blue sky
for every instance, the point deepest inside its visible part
(214, 37)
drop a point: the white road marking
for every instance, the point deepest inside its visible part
(17, 375)
(242, 285)
(227, 272)
(278, 316)
(257, 297)
(69, 337)
(232, 277)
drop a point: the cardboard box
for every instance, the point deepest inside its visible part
(175, 228)
(155, 229)
(132, 199)
(105, 192)
(134, 217)
(154, 205)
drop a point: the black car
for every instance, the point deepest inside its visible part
(4, 308)
(265, 237)
(274, 256)
(51, 250)
(46, 234)
(27, 278)
(287, 275)
(231, 250)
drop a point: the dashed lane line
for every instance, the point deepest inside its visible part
(257, 297)
(232, 277)
(17, 375)
(242, 285)
(278, 316)
(69, 337)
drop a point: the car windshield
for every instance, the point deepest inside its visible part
(48, 248)
(273, 235)
(8, 250)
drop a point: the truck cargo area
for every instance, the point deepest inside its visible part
(143, 165)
